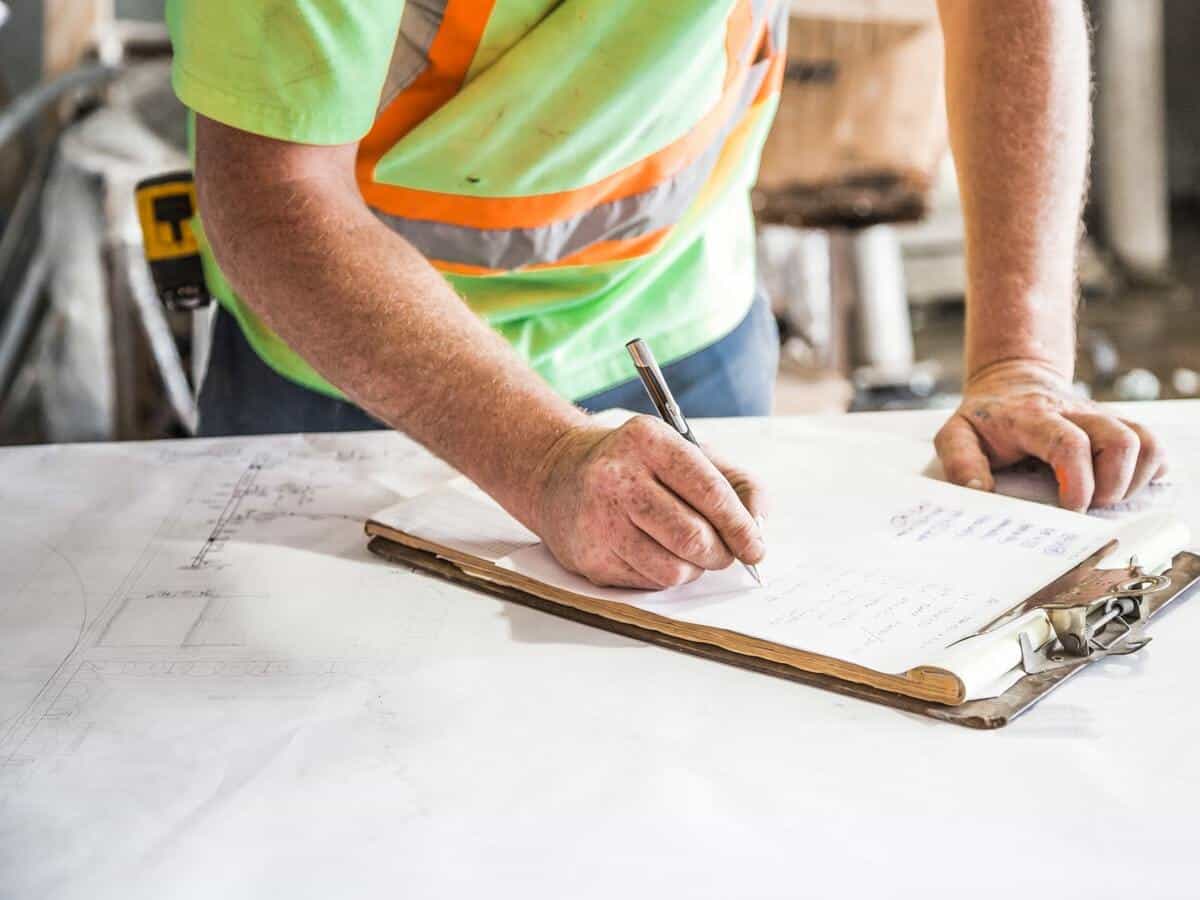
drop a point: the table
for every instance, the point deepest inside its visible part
(208, 687)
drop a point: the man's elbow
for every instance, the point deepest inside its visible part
(227, 190)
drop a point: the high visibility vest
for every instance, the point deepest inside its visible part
(578, 170)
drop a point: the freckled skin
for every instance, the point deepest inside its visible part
(650, 509)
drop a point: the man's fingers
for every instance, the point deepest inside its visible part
(1151, 461)
(963, 458)
(1068, 451)
(647, 557)
(684, 469)
(618, 573)
(752, 493)
(677, 527)
(1115, 451)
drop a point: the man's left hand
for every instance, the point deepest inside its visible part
(1016, 409)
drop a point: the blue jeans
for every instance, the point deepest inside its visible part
(734, 376)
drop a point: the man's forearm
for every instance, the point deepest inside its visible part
(1017, 97)
(1018, 105)
(369, 313)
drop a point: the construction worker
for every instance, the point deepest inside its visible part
(449, 216)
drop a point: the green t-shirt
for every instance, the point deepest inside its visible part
(579, 171)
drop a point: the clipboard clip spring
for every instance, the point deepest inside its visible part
(1111, 624)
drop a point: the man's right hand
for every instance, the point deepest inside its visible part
(638, 506)
(641, 507)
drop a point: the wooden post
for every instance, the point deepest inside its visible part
(72, 28)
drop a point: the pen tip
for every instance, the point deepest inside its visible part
(753, 570)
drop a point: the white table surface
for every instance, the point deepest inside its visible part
(208, 688)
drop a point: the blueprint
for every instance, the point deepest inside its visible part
(192, 563)
(198, 654)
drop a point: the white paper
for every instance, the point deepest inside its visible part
(989, 664)
(1035, 482)
(865, 566)
(460, 516)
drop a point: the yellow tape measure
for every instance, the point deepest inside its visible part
(166, 205)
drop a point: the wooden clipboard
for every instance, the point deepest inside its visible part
(1084, 580)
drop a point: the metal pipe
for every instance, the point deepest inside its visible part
(29, 105)
(24, 216)
(131, 259)
(22, 314)
(885, 339)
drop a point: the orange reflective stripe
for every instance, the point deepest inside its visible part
(773, 80)
(530, 212)
(494, 249)
(450, 57)
(738, 29)
(732, 152)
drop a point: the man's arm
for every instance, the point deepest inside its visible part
(1018, 102)
(638, 506)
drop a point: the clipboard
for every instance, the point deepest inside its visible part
(1095, 612)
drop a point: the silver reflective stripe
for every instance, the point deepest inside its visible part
(778, 24)
(629, 217)
(419, 23)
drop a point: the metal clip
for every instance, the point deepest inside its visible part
(1111, 624)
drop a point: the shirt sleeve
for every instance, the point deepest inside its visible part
(308, 71)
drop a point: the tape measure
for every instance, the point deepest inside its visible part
(166, 205)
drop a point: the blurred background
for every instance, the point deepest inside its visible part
(860, 229)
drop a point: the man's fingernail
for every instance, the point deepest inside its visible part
(975, 484)
(761, 520)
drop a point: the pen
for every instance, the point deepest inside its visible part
(664, 402)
